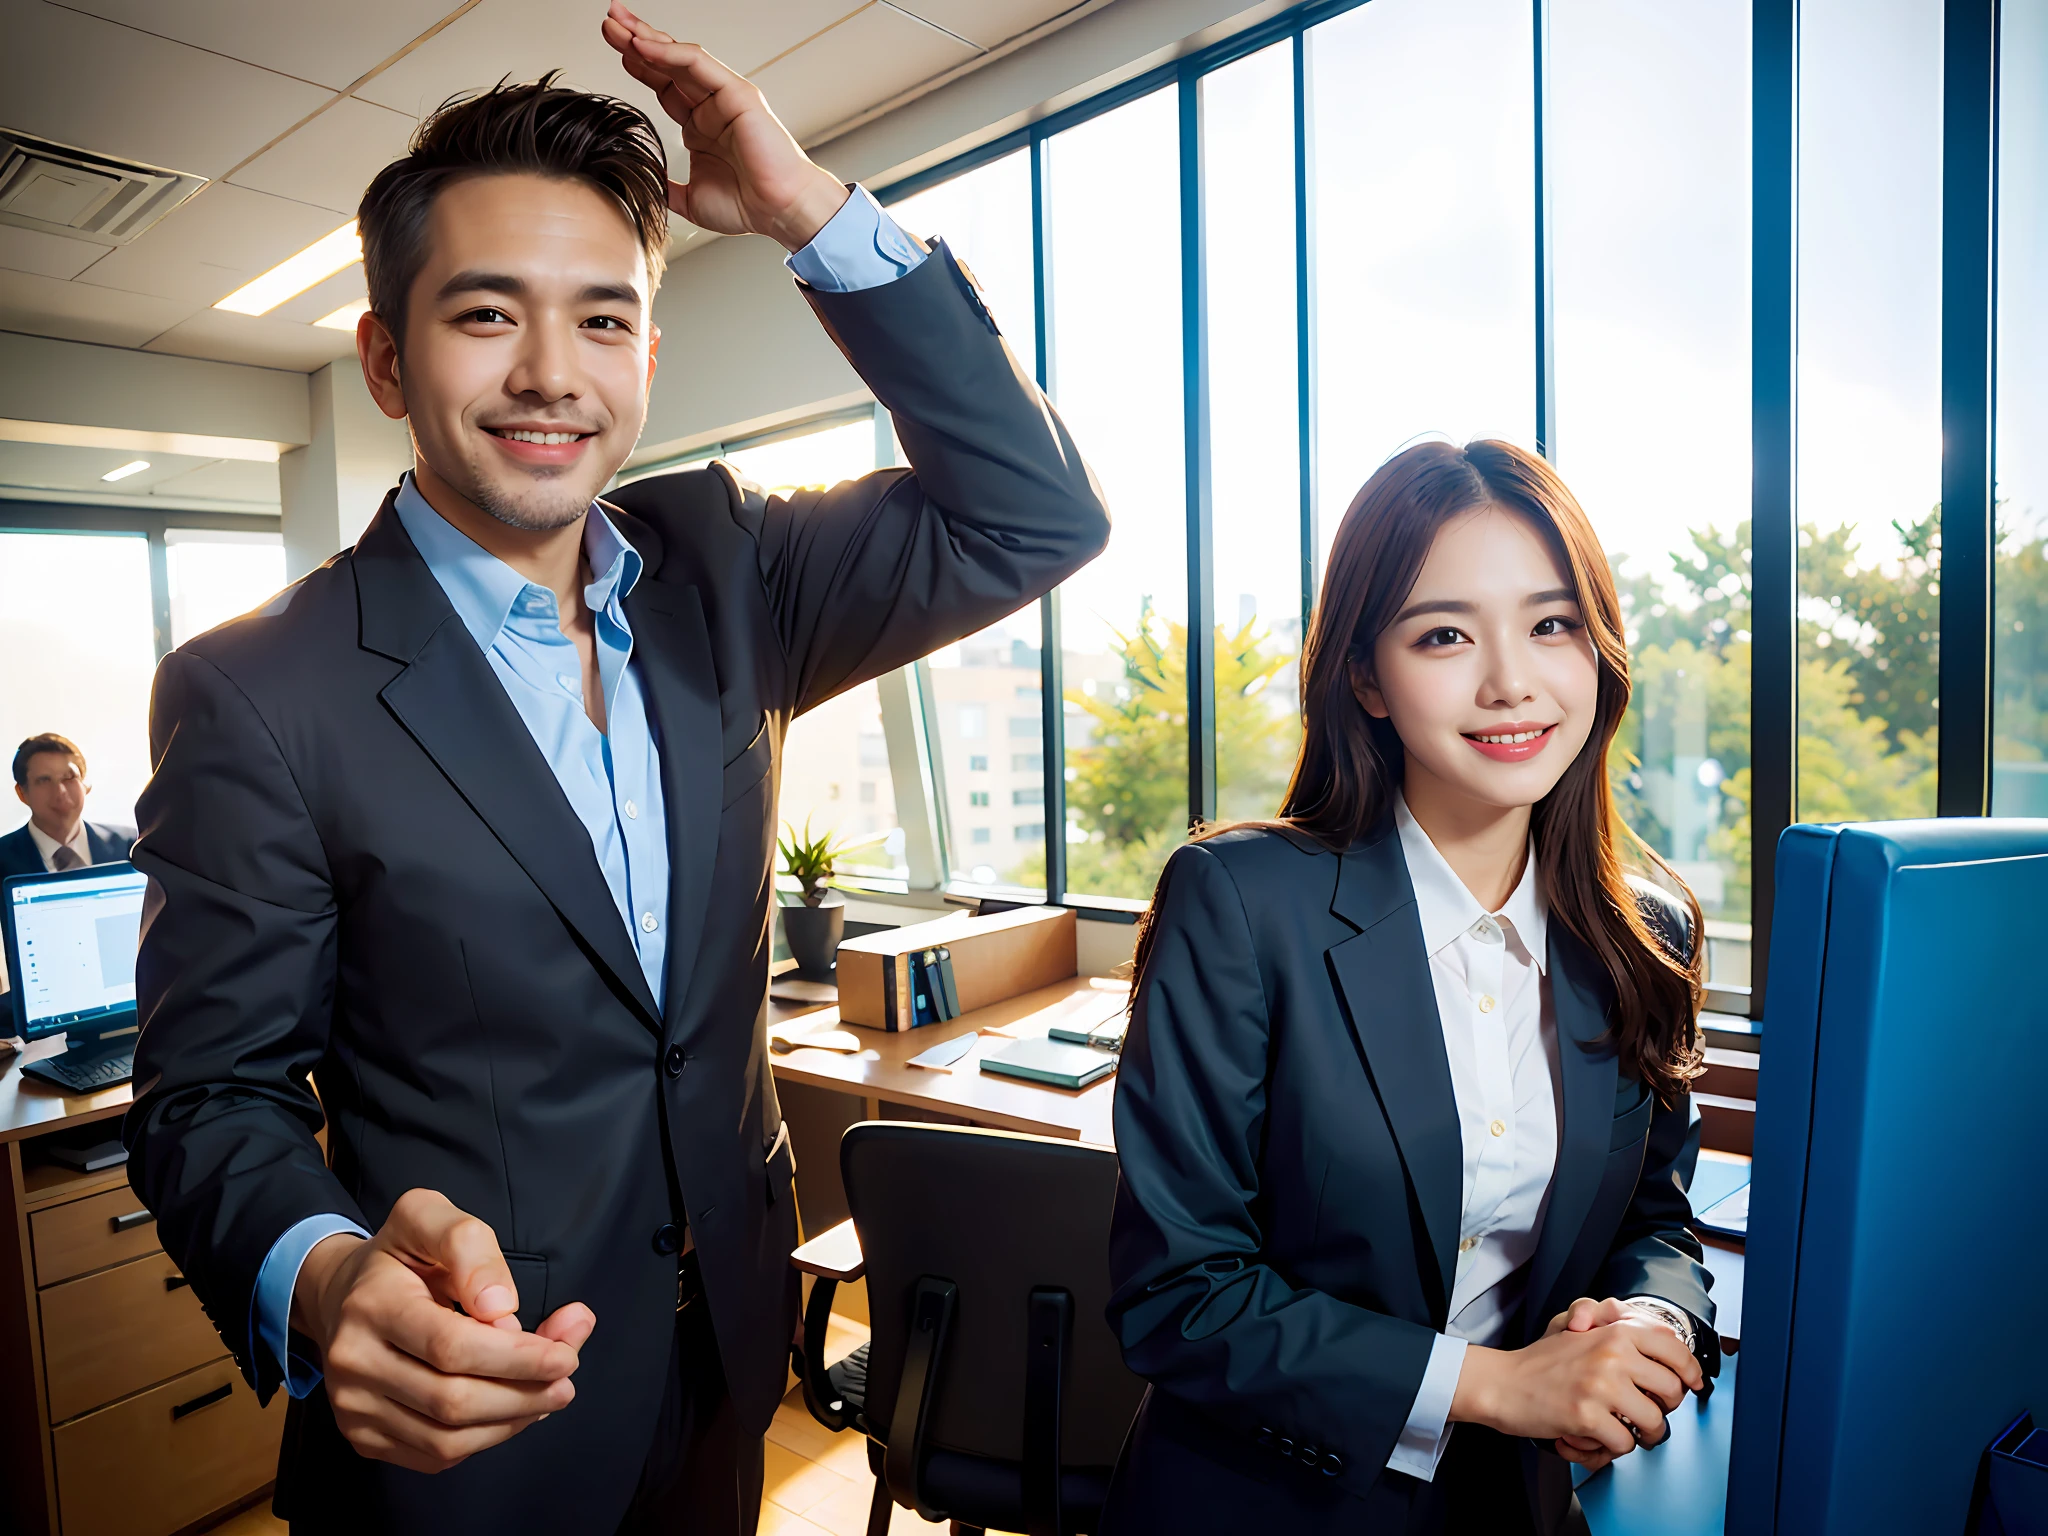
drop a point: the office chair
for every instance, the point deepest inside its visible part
(992, 1392)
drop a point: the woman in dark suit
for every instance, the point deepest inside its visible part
(1409, 1067)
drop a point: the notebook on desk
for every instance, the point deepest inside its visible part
(1050, 1061)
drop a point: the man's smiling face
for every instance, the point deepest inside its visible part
(528, 346)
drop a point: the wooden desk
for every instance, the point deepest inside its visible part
(824, 1092)
(124, 1415)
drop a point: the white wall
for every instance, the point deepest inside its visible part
(76, 383)
(333, 486)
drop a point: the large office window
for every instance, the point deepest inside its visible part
(835, 759)
(218, 574)
(985, 217)
(75, 627)
(1424, 134)
(1647, 171)
(2019, 785)
(1248, 305)
(1870, 106)
(1114, 302)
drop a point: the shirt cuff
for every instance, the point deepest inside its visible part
(272, 1304)
(859, 247)
(1428, 1430)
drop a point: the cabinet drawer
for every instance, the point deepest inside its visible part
(91, 1234)
(144, 1468)
(120, 1330)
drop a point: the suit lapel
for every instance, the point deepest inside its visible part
(453, 705)
(673, 648)
(1383, 973)
(1586, 1063)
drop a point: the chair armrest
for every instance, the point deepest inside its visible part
(833, 1254)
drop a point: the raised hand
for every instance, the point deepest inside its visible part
(411, 1380)
(747, 175)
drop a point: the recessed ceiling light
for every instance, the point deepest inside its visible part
(295, 274)
(345, 318)
(132, 467)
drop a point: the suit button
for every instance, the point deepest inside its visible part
(1284, 1446)
(1265, 1440)
(672, 1061)
(1308, 1456)
(1333, 1465)
(668, 1237)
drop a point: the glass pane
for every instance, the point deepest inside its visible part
(2019, 771)
(1869, 406)
(985, 217)
(1114, 210)
(219, 575)
(985, 689)
(835, 762)
(1248, 249)
(75, 627)
(1425, 233)
(1649, 181)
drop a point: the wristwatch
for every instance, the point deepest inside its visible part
(1676, 1318)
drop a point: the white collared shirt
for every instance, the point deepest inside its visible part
(1500, 1035)
(47, 846)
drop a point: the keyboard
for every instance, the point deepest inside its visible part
(87, 1076)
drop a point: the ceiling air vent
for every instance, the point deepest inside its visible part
(65, 191)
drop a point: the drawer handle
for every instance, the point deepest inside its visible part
(175, 1282)
(132, 1220)
(219, 1394)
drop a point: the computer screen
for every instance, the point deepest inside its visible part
(71, 946)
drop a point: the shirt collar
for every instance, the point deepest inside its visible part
(482, 588)
(47, 845)
(1448, 909)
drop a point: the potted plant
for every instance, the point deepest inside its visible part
(816, 921)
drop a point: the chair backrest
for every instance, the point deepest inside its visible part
(998, 1216)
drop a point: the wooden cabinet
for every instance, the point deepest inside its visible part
(123, 1414)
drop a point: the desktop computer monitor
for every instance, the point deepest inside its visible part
(1896, 1244)
(70, 942)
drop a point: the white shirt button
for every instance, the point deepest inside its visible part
(648, 925)
(1468, 1245)
(632, 811)
(1486, 930)
(1498, 1128)
(1486, 1005)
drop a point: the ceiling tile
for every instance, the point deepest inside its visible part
(332, 45)
(94, 85)
(332, 159)
(223, 480)
(873, 55)
(43, 306)
(987, 22)
(527, 38)
(35, 250)
(255, 339)
(45, 466)
(210, 246)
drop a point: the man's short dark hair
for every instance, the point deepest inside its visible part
(36, 746)
(536, 128)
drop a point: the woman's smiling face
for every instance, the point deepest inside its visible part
(1487, 671)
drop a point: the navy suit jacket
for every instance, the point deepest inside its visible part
(1287, 1223)
(20, 856)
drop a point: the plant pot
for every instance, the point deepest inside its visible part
(813, 934)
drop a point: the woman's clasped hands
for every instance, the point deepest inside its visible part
(1598, 1383)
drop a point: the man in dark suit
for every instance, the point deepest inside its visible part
(475, 826)
(49, 778)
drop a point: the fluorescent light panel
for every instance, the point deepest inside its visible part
(295, 274)
(129, 440)
(132, 467)
(345, 318)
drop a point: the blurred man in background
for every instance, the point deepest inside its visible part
(49, 778)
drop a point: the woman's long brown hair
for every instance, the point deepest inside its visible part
(1351, 763)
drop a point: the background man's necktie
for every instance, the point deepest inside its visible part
(66, 858)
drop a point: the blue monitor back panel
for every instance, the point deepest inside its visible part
(1897, 1242)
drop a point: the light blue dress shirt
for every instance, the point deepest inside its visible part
(612, 779)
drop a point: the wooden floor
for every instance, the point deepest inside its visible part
(818, 1483)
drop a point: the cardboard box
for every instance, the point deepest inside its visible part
(994, 958)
